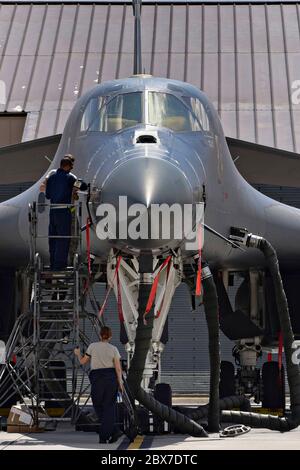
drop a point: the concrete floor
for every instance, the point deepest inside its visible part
(65, 438)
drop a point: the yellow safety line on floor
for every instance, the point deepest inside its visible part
(136, 444)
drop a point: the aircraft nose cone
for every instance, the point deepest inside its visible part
(147, 181)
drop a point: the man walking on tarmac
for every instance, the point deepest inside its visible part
(59, 190)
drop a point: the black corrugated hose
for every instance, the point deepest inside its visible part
(143, 339)
(211, 411)
(211, 308)
(137, 365)
(228, 403)
(293, 372)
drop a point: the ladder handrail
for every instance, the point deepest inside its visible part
(33, 218)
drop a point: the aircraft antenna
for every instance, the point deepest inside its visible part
(137, 8)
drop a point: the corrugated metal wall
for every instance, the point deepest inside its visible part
(8, 191)
(284, 194)
(245, 57)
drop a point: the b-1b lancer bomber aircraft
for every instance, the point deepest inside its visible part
(147, 147)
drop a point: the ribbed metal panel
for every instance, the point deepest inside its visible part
(284, 194)
(185, 361)
(8, 191)
(51, 53)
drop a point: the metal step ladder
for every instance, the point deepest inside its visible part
(41, 367)
(56, 329)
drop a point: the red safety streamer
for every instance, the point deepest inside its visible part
(198, 281)
(120, 309)
(199, 271)
(110, 287)
(269, 357)
(280, 349)
(163, 299)
(154, 288)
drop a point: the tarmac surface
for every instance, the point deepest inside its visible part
(65, 438)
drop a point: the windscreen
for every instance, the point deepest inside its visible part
(166, 110)
(106, 114)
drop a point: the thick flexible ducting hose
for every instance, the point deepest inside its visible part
(293, 372)
(142, 341)
(137, 365)
(182, 422)
(211, 308)
(228, 403)
(256, 420)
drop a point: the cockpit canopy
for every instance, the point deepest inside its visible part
(111, 114)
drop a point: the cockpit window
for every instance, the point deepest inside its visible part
(166, 110)
(199, 111)
(106, 114)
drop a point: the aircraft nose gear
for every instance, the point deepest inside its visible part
(235, 430)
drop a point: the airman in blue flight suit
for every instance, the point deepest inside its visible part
(59, 190)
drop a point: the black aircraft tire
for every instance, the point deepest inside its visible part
(163, 393)
(227, 381)
(273, 386)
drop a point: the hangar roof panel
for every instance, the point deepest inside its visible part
(245, 56)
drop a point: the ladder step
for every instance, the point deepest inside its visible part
(67, 291)
(56, 331)
(69, 269)
(55, 418)
(48, 291)
(56, 277)
(41, 398)
(52, 380)
(63, 310)
(45, 309)
(55, 340)
(55, 320)
(45, 284)
(54, 368)
(57, 307)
